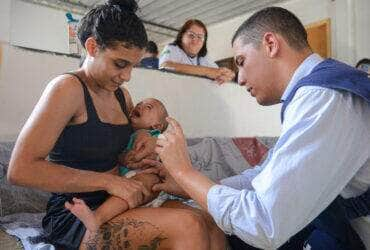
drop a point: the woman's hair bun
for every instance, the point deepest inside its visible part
(126, 5)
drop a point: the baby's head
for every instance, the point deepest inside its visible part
(149, 114)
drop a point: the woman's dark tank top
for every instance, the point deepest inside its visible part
(93, 145)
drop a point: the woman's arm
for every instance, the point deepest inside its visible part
(191, 69)
(219, 74)
(28, 166)
(59, 105)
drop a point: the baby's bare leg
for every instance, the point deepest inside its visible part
(112, 207)
(94, 219)
(84, 213)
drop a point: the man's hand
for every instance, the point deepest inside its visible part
(172, 149)
(169, 185)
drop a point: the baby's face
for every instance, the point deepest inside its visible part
(146, 114)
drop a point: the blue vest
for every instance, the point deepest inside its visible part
(149, 62)
(334, 75)
(341, 77)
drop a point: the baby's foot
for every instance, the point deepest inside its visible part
(84, 213)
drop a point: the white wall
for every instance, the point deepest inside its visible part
(350, 22)
(5, 6)
(204, 108)
(201, 106)
(23, 76)
(38, 27)
(43, 28)
(362, 40)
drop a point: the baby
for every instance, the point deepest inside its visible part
(148, 116)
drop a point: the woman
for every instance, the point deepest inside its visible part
(188, 54)
(70, 143)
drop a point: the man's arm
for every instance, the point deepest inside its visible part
(243, 180)
(314, 159)
(312, 162)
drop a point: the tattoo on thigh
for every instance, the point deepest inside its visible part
(154, 244)
(92, 243)
(126, 234)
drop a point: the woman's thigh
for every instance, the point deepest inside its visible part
(216, 235)
(178, 204)
(151, 228)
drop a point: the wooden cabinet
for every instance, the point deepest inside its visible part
(318, 36)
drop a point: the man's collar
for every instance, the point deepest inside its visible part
(303, 70)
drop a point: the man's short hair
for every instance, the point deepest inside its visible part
(273, 19)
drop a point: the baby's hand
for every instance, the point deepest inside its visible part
(132, 164)
(128, 157)
(143, 137)
(144, 145)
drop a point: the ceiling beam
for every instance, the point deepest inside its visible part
(186, 12)
(81, 9)
(61, 5)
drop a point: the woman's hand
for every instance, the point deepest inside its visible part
(132, 191)
(172, 149)
(220, 75)
(224, 75)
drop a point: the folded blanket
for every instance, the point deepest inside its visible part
(219, 158)
(27, 228)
